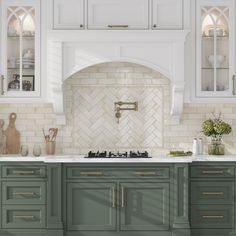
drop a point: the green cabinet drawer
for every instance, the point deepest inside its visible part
(23, 216)
(23, 193)
(210, 192)
(212, 171)
(74, 172)
(23, 171)
(212, 216)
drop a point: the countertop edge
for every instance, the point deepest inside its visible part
(81, 159)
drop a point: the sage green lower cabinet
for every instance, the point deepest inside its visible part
(125, 200)
(91, 206)
(144, 206)
(212, 199)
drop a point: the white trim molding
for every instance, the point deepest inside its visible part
(72, 51)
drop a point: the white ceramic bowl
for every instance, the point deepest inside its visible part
(219, 60)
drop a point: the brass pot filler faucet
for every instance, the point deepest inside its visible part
(129, 106)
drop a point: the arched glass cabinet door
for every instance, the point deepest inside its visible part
(215, 50)
(21, 51)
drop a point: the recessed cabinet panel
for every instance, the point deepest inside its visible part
(144, 206)
(68, 14)
(91, 206)
(167, 14)
(118, 14)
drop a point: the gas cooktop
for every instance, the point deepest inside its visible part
(106, 154)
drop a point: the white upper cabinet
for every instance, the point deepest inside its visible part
(69, 14)
(167, 14)
(215, 48)
(118, 14)
(20, 44)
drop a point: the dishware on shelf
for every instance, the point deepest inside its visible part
(37, 150)
(24, 150)
(211, 29)
(11, 31)
(218, 59)
(28, 53)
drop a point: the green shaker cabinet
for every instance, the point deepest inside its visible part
(91, 206)
(144, 206)
(212, 199)
(124, 199)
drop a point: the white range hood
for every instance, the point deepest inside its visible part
(72, 51)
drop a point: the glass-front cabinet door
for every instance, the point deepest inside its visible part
(20, 48)
(215, 48)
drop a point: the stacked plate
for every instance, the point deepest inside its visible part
(26, 62)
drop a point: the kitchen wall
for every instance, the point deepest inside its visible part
(91, 124)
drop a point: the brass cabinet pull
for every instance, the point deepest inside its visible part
(122, 197)
(24, 172)
(212, 172)
(2, 85)
(118, 26)
(24, 193)
(146, 173)
(113, 197)
(212, 193)
(213, 217)
(233, 90)
(94, 173)
(23, 217)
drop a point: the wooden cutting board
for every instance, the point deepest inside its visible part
(12, 136)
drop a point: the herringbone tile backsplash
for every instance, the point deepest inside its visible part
(93, 94)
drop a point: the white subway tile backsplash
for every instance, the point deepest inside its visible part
(91, 124)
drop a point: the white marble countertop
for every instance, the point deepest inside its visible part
(81, 159)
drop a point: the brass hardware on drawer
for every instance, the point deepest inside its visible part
(212, 172)
(93, 173)
(213, 217)
(146, 173)
(113, 197)
(118, 26)
(24, 172)
(233, 90)
(122, 197)
(24, 193)
(212, 193)
(24, 217)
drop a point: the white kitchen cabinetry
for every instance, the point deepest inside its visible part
(167, 14)
(118, 14)
(20, 44)
(215, 48)
(69, 14)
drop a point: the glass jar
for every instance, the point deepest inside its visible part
(216, 147)
(37, 150)
(24, 150)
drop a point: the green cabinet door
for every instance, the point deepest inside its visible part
(144, 206)
(91, 206)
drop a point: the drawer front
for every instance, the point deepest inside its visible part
(23, 216)
(212, 216)
(23, 171)
(144, 173)
(212, 192)
(212, 171)
(23, 193)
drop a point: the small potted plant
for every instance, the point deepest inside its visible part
(215, 128)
